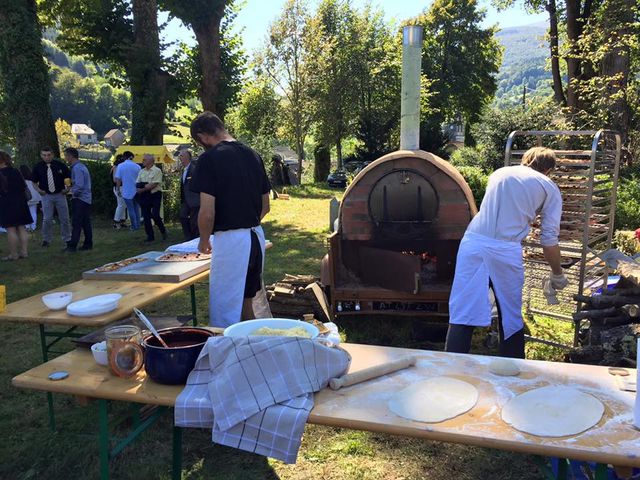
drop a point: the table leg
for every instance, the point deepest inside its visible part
(103, 439)
(192, 288)
(177, 454)
(45, 359)
(135, 415)
(563, 467)
(601, 471)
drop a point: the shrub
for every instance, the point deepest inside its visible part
(469, 157)
(104, 202)
(492, 131)
(477, 180)
(628, 203)
(625, 241)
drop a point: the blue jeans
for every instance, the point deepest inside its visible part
(134, 216)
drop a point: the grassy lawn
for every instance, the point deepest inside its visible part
(298, 228)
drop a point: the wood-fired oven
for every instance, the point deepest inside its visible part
(400, 225)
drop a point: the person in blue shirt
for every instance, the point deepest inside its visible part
(80, 202)
(126, 176)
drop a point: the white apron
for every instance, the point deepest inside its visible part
(229, 262)
(479, 260)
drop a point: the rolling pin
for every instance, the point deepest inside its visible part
(371, 372)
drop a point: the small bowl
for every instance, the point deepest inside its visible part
(99, 351)
(57, 300)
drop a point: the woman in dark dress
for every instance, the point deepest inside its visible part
(14, 209)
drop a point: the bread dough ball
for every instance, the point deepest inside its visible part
(504, 367)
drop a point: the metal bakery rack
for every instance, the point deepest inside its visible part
(587, 175)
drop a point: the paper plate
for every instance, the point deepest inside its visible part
(93, 306)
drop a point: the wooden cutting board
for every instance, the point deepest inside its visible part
(152, 271)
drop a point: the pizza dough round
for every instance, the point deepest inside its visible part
(504, 367)
(434, 400)
(553, 411)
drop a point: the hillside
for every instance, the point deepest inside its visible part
(525, 56)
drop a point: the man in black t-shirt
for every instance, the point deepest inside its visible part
(234, 198)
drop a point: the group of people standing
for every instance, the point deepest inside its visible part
(48, 183)
(138, 192)
(140, 189)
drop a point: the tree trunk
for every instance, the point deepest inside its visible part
(25, 80)
(148, 81)
(300, 154)
(322, 165)
(616, 64)
(558, 91)
(339, 151)
(572, 58)
(207, 35)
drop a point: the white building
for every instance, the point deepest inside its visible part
(84, 134)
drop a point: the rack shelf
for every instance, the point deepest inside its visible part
(587, 169)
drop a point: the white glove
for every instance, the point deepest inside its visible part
(558, 282)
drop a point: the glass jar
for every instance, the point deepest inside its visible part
(123, 350)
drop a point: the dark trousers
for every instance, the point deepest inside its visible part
(150, 205)
(80, 221)
(459, 339)
(189, 221)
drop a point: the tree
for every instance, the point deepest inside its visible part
(284, 61)
(65, 137)
(608, 45)
(204, 17)
(550, 6)
(255, 120)
(376, 73)
(187, 63)
(25, 80)
(331, 51)
(83, 100)
(123, 34)
(460, 59)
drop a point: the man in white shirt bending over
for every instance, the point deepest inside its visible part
(491, 253)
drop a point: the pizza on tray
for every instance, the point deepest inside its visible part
(183, 257)
(114, 266)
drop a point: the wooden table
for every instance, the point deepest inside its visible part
(364, 407)
(31, 310)
(134, 294)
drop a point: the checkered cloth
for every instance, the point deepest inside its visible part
(256, 392)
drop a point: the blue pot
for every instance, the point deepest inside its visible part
(171, 366)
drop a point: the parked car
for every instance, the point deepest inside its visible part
(337, 178)
(353, 166)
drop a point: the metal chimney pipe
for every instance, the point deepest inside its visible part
(410, 96)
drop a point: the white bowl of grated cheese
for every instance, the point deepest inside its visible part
(272, 327)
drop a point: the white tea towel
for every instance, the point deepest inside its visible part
(257, 392)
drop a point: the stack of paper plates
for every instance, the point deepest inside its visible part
(93, 306)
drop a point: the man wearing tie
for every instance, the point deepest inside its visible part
(52, 179)
(189, 201)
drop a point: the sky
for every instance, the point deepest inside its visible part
(256, 16)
